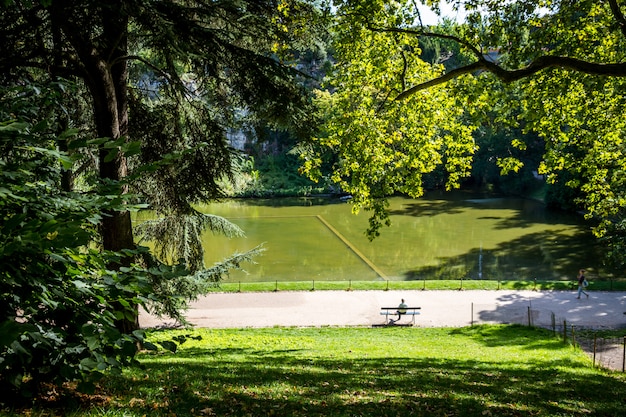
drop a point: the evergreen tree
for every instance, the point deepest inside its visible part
(194, 63)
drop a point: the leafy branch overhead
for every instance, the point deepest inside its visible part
(535, 20)
(552, 70)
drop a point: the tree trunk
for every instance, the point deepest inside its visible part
(107, 77)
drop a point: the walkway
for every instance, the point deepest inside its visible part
(439, 308)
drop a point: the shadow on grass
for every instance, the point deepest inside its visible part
(294, 382)
(526, 338)
(380, 387)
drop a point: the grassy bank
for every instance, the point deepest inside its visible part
(539, 285)
(473, 371)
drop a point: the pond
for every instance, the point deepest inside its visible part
(439, 236)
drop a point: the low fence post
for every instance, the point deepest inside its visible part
(564, 331)
(472, 313)
(624, 355)
(595, 347)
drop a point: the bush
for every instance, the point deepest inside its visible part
(60, 297)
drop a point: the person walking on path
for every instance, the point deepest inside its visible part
(582, 283)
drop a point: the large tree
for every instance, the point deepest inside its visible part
(194, 63)
(106, 106)
(564, 60)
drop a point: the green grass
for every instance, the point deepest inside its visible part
(597, 285)
(473, 371)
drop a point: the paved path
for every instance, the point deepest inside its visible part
(439, 308)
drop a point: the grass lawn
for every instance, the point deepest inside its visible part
(467, 284)
(474, 371)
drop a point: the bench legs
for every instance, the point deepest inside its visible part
(389, 321)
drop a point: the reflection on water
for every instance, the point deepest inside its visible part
(437, 237)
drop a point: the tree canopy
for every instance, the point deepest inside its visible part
(560, 63)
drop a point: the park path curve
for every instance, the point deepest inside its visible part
(438, 308)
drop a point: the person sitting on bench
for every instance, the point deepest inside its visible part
(401, 309)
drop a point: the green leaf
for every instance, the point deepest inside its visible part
(69, 133)
(131, 148)
(111, 155)
(13, 127)
(88, 364)
(10, 331)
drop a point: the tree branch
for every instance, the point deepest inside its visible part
(144, 61)
(619, 16)
(419, 32)
(507, 76)
(441, 80)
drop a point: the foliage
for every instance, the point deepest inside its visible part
(532, 36)
(166, 81)
(472, 371)
(61, 296)
(168, 241)
(560, 196)
(384, 145)
(577, 115)
(507, 157)
(570, 60)
(195, 86)
(70, 310)
(161, 229)
(277, 175)
(562, 62)
(162, 81)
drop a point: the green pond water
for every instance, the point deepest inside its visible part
(440, 236)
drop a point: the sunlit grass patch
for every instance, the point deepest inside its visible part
(427, 285)
(502, 370)
(473, 371)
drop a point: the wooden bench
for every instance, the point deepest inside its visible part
(393, 311)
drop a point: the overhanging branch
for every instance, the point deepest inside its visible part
(507, 76)
(419, 32)
(440, 80)
(619, 16)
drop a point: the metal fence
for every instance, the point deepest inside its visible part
(607, 352)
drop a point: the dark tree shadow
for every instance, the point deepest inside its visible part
(545, 255)
(555, 254)
(229, 384)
